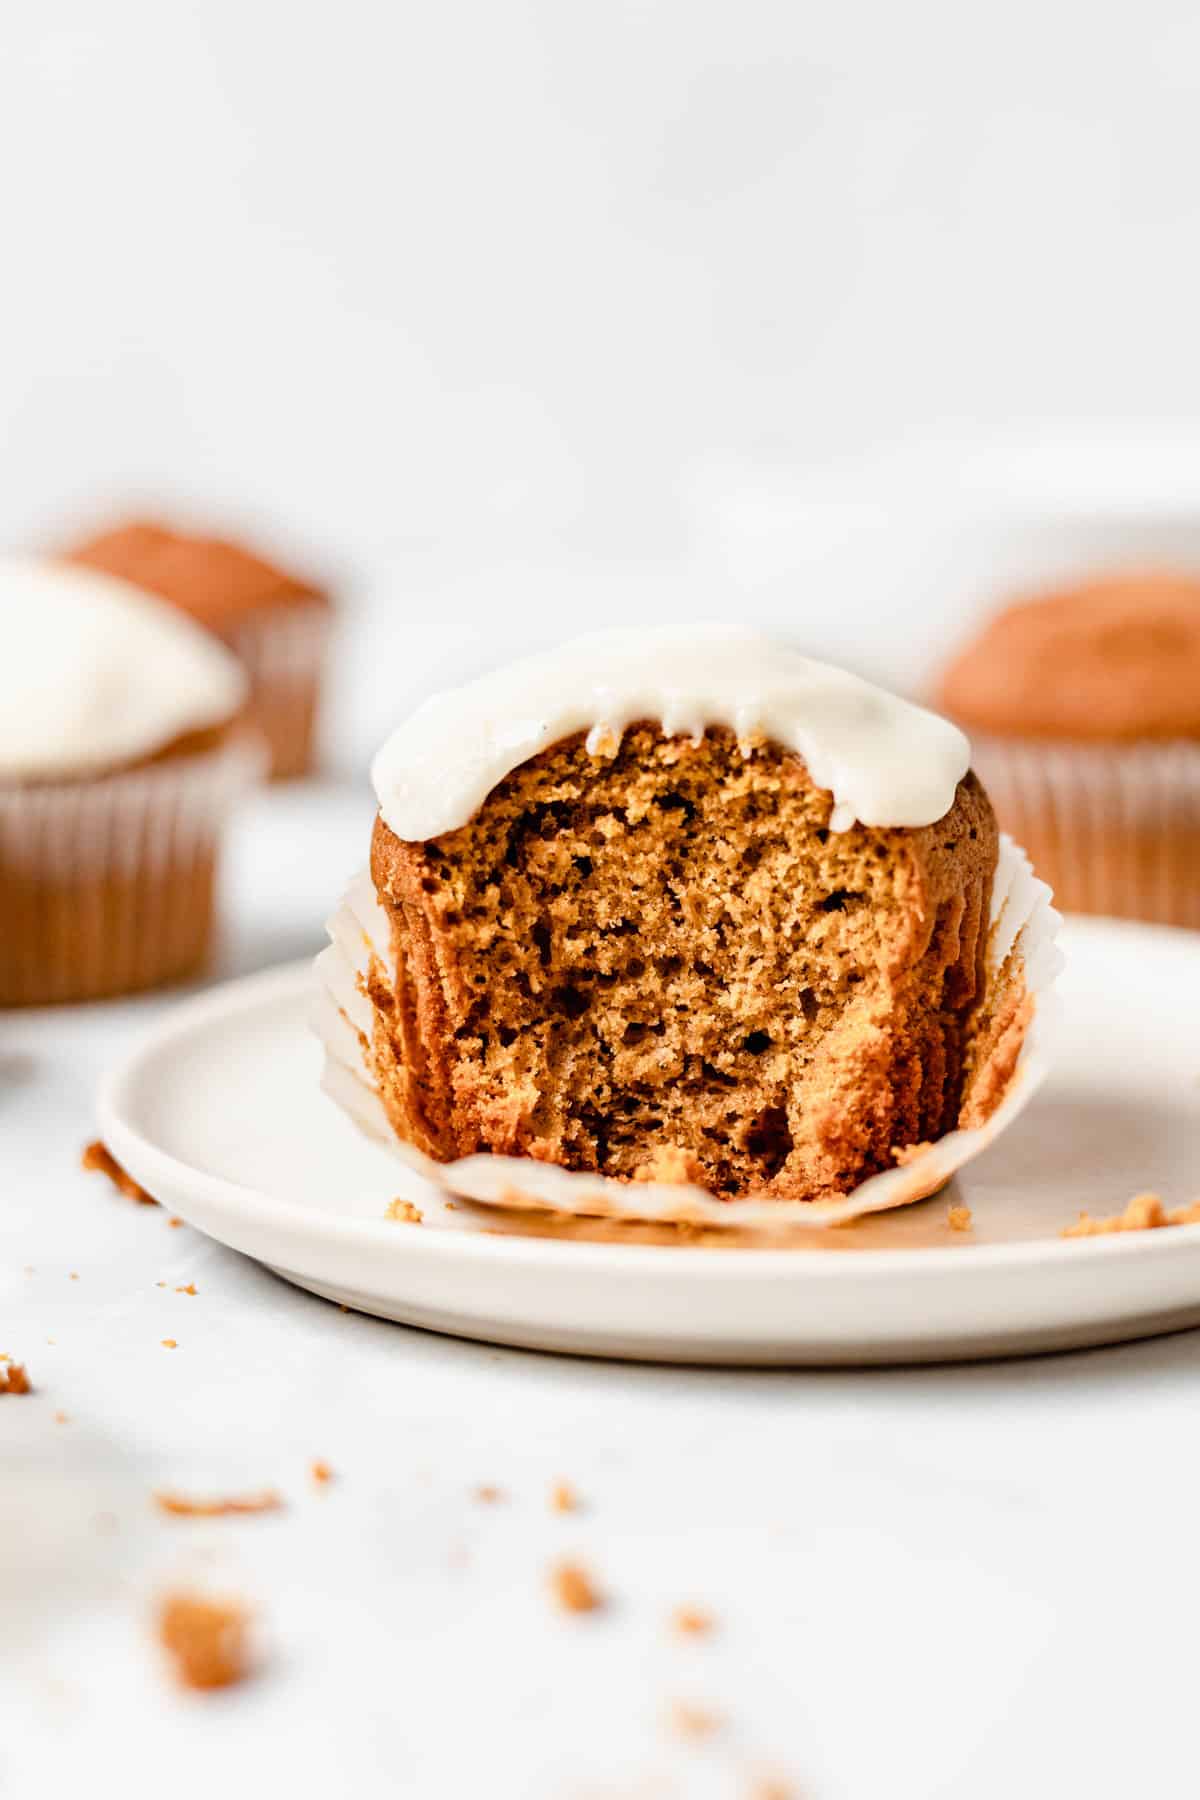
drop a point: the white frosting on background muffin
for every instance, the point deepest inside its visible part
(885, 761)
(96, 673)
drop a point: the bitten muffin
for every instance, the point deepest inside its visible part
(276, 624)
(123, 748)
(685, 906)
(1084, 711)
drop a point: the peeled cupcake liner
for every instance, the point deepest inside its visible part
(1021, 944)
(1117, 826)
(127, 833)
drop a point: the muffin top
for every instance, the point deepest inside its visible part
(213, 580)
(97, 674)
(885, 761)
(1114, 659)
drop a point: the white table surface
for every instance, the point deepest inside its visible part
(972, 1581)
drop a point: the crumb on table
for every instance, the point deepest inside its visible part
(98, 1157)
(1145, 1212)
(959, 1218)
(207, 1639)
(321, 1472)
(688, 1720)
(573, 1588)
(488, 1495)
(692, 1621)
(184, 1506)
(563, 1498)
(14, 1378)
(170, 1343)
(405, 1211)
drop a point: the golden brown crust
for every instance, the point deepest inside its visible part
(663, 962)
(213, 580)
(1113, 660)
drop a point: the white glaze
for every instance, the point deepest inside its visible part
(96, 673)
(886, 761)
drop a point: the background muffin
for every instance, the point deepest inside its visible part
(1084, 711)
(277, 624)
(122, 749)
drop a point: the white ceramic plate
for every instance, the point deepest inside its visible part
(220, 1116)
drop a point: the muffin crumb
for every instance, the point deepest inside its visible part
(563, 1498)
(910, 1153)
(672, 1166)
(959, 1218)
(183, 1506)
(189, 1289)
(170, 1344)
(321, 1472)
(688, 1720)
(98, 1159)
(488, 1495)
(573, 1588)
(1145, 1212)
(405, 1211)
(207, 1639)
(14, 1379)
(692, 1621)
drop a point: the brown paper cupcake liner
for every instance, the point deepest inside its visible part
(107, 885)
(1114, 829)
(283, 650)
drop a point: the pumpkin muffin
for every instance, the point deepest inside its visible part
(683, 906)
(123, 747)
(1084, 711)
(277, 624)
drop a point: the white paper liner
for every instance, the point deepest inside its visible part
(151, 829)
(1115, 827)
(283, 651)
(1022, 920)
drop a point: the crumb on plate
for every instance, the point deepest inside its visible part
(170, 1344)
(405, 1211)
(563, 1498)
(98, 1157)
(189, 1289)
(959, 1218)
(207, 1639)
(573, 1588)
(321, 1472)
(14, 1379)
(1145, 1212)
(488, 1495)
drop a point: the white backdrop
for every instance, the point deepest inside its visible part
(490, 307)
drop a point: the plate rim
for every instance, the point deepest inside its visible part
(294, 982)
